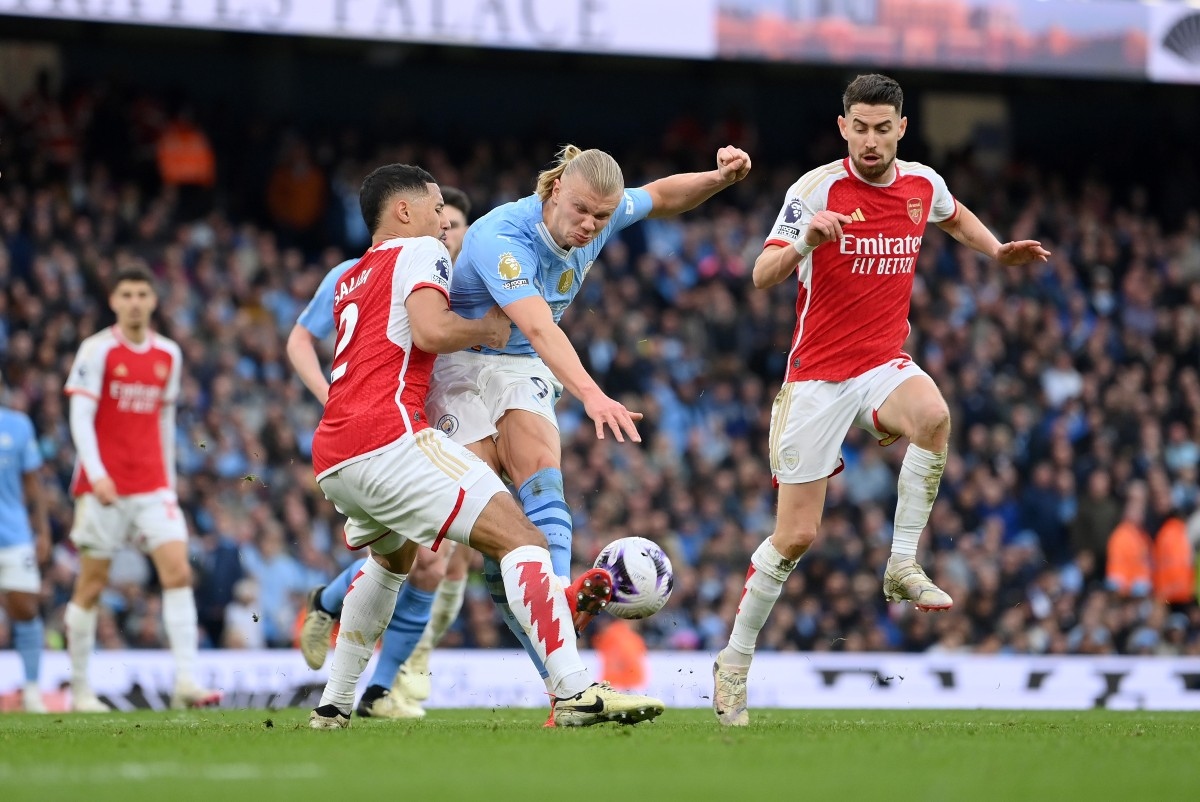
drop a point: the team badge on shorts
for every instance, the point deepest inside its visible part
(790, 457)
(509, 268)
(915, 210)
(448, 424)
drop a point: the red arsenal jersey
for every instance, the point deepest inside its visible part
(379, 379)
(852, 308)
(130, 384)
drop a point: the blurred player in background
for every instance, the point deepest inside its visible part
(24, 545)
(123, 386)
(432, 597)
(531, 257)
(854, 229)
(378, 459)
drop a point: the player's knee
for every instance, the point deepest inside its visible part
(22, 606)
(175, 575)
(793, 540)
(932, 425)
(428, 571)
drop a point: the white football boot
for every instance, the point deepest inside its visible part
(729, 693)
(315, 632)
(600, 702)
(905, 581)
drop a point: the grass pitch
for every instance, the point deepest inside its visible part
(227, 755)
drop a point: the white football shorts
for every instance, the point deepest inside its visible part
(18, 569)
(809, 420)
(469, 392)
(142, 520)
(425, 488)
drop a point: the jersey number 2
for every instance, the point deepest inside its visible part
(346, 324)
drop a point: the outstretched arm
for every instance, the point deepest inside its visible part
(533, 317)
(967, 229)
(683, 192)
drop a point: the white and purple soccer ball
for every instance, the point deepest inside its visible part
(642, 576)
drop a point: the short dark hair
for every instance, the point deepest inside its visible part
(873, 90)
(383, 183)
(453, 196)
(134, 273)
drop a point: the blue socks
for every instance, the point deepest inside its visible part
(334, 594)
(408, 622)
(27, 640)
(544, 502)
(495, 585)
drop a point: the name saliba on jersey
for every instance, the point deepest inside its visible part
(347, 287)
(879, 255)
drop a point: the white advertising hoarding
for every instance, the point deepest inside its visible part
(502, 678)
(678, 28)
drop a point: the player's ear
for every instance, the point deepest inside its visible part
(902, 127)
(401, 209)
(842, 127)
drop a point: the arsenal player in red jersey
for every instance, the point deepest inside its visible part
(123, 386)
(852, 231)
(383, 466)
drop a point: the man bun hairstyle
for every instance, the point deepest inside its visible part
(385, 182)
(873, 90)
(597, 168)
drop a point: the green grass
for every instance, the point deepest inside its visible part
(918, 756)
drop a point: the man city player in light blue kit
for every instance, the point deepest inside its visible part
(530, 257)
(22, 546)
(433, 595)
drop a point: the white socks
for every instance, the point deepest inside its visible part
(179, 619)
(764, 582)
(916, 490)
(81, 640)
(539, 604)
(446, 606)
(366, 611)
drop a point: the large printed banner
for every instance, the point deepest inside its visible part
(1105, 38)
(679, 28)
(500, 678)
(1083, 38)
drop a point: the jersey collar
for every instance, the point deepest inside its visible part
(139, 348)
(549, 242)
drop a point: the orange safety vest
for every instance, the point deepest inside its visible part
(622, 655)
(185, 157)
(1128, 558)
(1174, 563)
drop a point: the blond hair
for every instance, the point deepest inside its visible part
(597, 168)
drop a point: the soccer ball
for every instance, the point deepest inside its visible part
(642, 576)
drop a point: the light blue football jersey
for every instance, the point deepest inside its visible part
(317, 317)
(18, 456)
(508, 254)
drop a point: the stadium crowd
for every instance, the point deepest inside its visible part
(1073, 386)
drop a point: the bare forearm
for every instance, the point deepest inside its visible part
(774, 265)
(970, 231)
(39, 511)
(559, 355)
(303, 356)
(683, 192)
(451, 332)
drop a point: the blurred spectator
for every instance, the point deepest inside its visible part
(1129, 567)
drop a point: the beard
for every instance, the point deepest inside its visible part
(877, 170)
